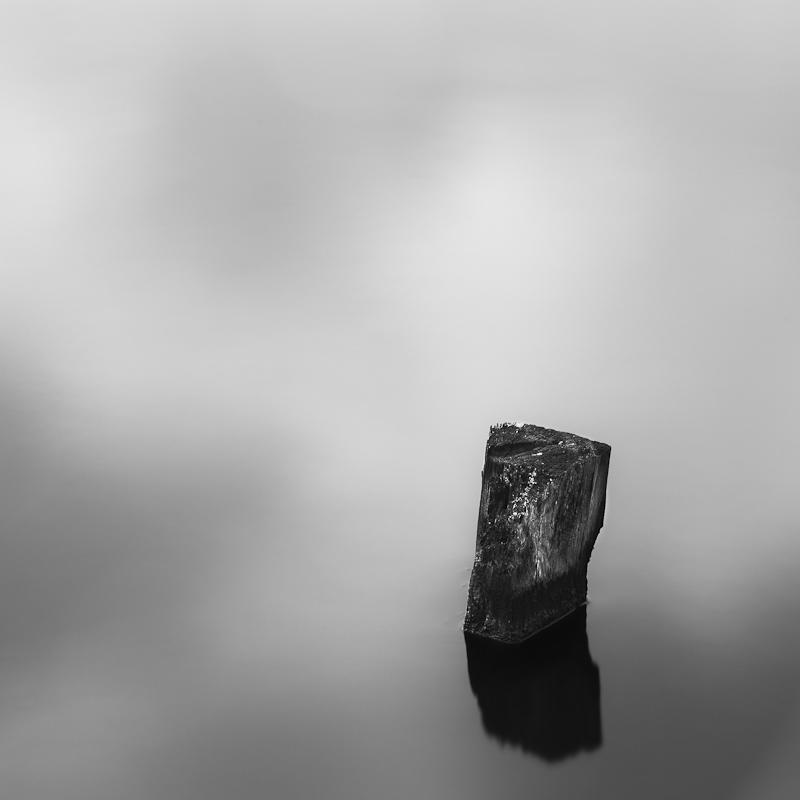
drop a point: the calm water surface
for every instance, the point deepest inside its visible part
(269, 272)
(219, 628)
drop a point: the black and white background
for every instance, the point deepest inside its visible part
(269, 271)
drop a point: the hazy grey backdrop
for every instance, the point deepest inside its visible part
(268, 271)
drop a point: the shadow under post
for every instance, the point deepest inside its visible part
(542, 695)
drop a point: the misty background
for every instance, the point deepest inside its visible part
(269, 271)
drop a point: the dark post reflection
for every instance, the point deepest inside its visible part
(542, 695)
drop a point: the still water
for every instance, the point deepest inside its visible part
(269, 272)
(212, 628)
